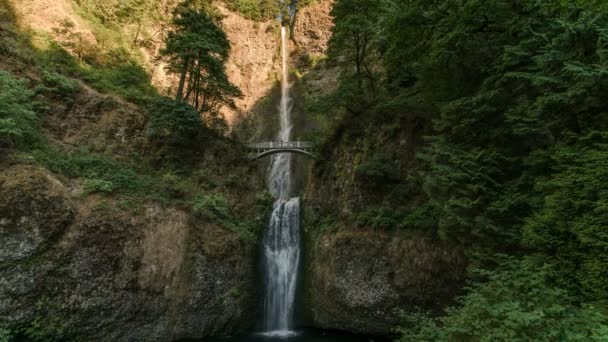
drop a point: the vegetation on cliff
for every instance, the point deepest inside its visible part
(85, 117)
(482, 124)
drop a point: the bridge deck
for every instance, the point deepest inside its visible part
(263, 149)
(280, 145)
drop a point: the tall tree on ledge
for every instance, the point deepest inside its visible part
(197, 49)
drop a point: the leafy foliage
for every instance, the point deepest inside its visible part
(255, 9)
(570, 222)
(377, 171)
(18, 118)
(172, 124)
(215, 207)
(197, 49)
(101, 173)
(509, 97)
(5, 335)
(516, 303)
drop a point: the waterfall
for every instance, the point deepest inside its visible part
(282, 239)
(279, 178)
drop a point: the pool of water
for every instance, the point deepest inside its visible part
(307, 335)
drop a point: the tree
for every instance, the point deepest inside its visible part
(197, 49)
(353, 47)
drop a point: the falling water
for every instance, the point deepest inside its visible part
(282, 239)
(280, 170)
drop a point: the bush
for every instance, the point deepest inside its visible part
(101, 173)
(59, 86)
(570, 224)
(377, 171)
(5, 335)
(215, 208)
(174, 125)
(212, 207)
(516, 303)
(381, 218)
(98, 185)
(127, 79)
(18, 119)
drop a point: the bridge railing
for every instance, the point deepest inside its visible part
(281, 144)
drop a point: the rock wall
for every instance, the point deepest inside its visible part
(91, 269)
(358, 278)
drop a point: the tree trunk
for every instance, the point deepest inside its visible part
(182, 81)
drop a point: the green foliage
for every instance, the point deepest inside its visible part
(421, 218)
(5, 335)
(197, 50)
(101, 173)
(510, 97)
(211, 207)
(175, 125)
(377, 171)
(58, 86)
(127, 79)
(18, 118)
(379, 218)
(41, 330)
(235, 292)
(516, 303)
(570, 222)
(98, 185)
(353, 45)
(215, 208)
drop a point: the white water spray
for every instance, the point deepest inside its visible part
(282, 239)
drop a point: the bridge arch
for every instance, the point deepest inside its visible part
(265, 149)
(277, 151)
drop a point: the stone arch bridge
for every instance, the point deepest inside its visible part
(265, 149)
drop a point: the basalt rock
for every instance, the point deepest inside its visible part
(87, 268)
(360, 278)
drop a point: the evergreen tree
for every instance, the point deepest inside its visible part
(197, 49)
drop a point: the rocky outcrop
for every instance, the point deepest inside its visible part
(312, 28)
(359, 278)
(35, 211)
(87, 268)
(254, 62)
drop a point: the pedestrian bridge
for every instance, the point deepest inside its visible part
(265, 149)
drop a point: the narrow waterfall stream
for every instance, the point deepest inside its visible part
(282, 242)
(282, 239)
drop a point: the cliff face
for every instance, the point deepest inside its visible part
(363, 262)
(359, 278)
(90, 268)
(114, 268)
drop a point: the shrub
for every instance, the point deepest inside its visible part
(58, 85)
(5, 335)
(175, 125)
(377, 171)
(102, 173)
(381, 218)
(127, 79)
(516, 303)
(18, 119)
(215, 207)
(570, 224)
(98, 185)
(422, 217)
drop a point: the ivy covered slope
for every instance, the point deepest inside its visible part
(124, 215)
(482, 126)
